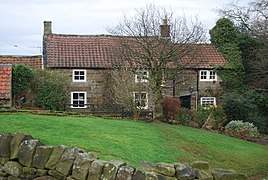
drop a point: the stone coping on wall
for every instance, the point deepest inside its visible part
(23, 157)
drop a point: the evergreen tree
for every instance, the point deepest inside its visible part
(225, 37)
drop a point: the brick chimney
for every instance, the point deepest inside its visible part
(165, 29)
(47, 27)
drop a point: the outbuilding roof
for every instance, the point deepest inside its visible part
(31, 61)
(5, 81)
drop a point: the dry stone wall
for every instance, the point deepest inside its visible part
(22, 157)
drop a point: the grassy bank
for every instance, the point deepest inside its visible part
(136, 141)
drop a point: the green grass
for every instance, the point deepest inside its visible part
(136, 141)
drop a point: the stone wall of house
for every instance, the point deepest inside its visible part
(206, 88)
(186, 84)
(94, 86)
(22, 157)
(98, 87)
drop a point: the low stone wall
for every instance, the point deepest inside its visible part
(22, 157)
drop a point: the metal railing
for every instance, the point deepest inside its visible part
(109, 110)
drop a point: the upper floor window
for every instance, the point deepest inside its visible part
(208, 75)
(141, 100)
(79, 75)
(142, 76)
(208, 101)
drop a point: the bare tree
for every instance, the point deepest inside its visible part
(156, 40)
(124, 89)
(252, 18)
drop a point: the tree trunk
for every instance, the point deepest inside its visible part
(136, 114)
(158, 114)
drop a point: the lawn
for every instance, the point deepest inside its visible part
(136, 141)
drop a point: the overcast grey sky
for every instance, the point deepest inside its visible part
(21, 21)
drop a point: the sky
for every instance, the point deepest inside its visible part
(21, 21)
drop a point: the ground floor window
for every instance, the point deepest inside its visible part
(141, 100)
(208, 101)
(78, 99)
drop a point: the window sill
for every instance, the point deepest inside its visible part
(79, 107)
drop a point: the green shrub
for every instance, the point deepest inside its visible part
(236, 106)
(261, 122)
(184, 117)
(201, 115)
(243, 129)
(219, 116)
(50, 89)
(22, 77)
(249, 106)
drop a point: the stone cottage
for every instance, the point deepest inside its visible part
(87, 58)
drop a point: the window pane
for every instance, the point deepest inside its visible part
(212, 75)
(143, 103)
(75, 103)
(75, 95)
(143, 95)
(81, 95)
(76, 72)
(82, 73)
(203, 75)
(81, 102)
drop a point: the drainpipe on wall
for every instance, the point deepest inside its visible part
(42, 61)
(197, 89)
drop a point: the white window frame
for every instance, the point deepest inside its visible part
(72, 99)
(208, 75)
(80, 70)
(146, 99)
(203, 101)
(142, 76)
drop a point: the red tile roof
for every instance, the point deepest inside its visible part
(32, 61)
(81, 51)
(205, 56)
(5, 81)
(99, 51)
